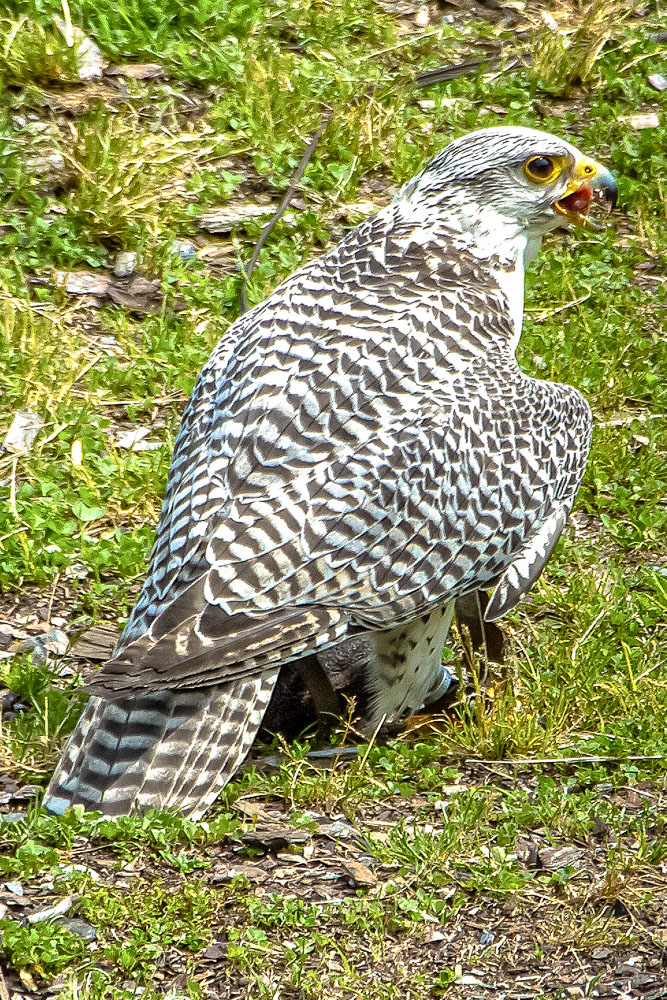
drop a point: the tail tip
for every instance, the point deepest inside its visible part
(56, 804)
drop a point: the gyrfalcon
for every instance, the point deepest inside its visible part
(360, 450)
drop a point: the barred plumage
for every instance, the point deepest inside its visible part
(360, 450)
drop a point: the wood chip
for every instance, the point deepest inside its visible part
(89, 59)
(27, 980)
(563, 857)
(360, 874)
(97, 643)
(138, 71)
(63, 906)
(533, 854)
(22, 432)
(223, 220)
(640, 122)
(136, 293)
(274, 838)
(77, 101)
(628, 798)
(139, 294)
(83, 282)
(134, 440)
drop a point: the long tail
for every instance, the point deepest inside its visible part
(166, 750)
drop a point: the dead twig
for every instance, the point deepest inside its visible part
(280, 211)
(530, 761)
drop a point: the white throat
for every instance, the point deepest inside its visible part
(484, 233)
(507, 247)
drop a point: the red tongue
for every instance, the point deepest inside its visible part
(579, 201)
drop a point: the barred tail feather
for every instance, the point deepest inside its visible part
(165, 750)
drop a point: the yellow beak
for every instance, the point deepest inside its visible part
(590, 182)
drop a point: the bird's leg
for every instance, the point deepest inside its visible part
(327, 701)
(483, 635)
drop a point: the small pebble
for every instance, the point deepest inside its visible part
(184, 250)
(8, 698)
(36, 646)
(640, 122)
(23, 430)
(77, 926)
(658, 81)
(14, 887)
(53, 641)
(215, 951)
(126, 264)
(14, 817)
(57, 641)
(339, 828)
(109, 344)
(32, 642)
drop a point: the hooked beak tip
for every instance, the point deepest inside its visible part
(605, 189)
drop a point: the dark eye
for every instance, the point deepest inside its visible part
(541, 168)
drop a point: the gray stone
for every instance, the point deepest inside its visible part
(57, 641)
(53, 641)
(186, 251)
(14, 817)
(23, 430)
(36, 646)
(658, 81)
(126, 264)
(77, 926)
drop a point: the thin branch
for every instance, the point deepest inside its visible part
(280, 211)
(536, 761)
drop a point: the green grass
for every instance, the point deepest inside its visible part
(244, 84)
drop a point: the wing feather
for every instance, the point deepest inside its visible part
(211, 648)
(525, 568)
(337, 467)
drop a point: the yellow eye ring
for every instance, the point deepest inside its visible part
(541, 169)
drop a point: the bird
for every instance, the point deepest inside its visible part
(360, 450)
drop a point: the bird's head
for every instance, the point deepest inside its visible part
(531, 180)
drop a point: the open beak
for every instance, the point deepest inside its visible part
(591, 184)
